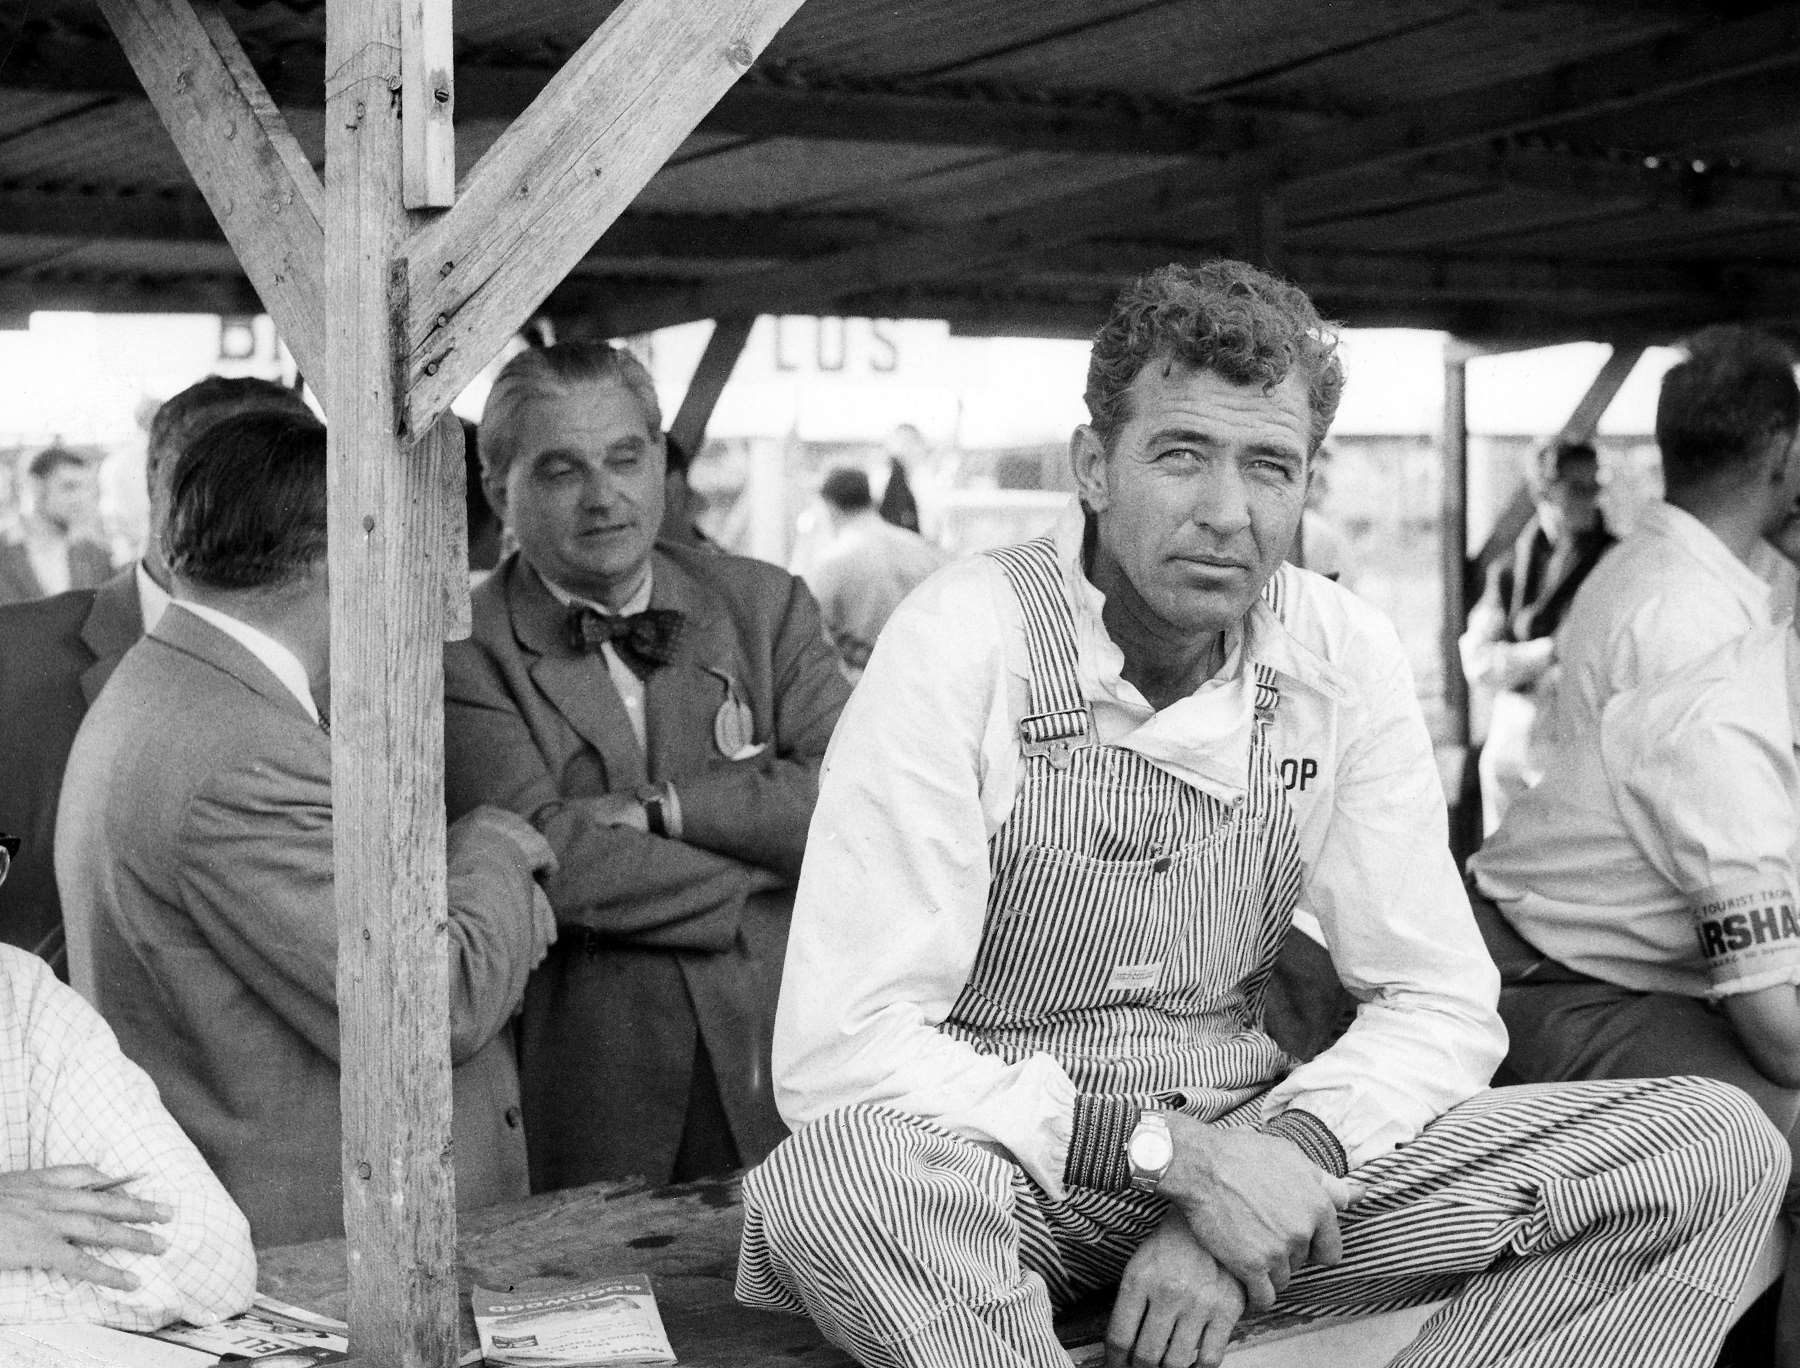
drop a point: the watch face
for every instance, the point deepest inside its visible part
(1150, 1149)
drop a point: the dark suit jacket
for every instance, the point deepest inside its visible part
(194, 856)
(55, 653)
(89, 565)
(1529, 604)
(662, 942)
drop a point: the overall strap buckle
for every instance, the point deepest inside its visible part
(1056, 735)
(1268, 699)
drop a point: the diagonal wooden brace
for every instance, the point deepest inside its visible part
(258, 182)
(556, 180)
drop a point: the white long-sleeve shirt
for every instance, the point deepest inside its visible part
(1670, 592)
(1684, 796)
(924, 768)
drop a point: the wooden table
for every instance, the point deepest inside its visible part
(684, 1237)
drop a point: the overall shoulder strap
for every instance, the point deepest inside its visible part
(1058, 722)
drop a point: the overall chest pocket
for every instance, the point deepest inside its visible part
(1068, 933)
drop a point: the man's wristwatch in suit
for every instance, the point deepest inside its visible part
(1150, 1151)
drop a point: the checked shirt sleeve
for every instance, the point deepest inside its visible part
(71, 1097)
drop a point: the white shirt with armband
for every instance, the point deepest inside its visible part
(1662, 856)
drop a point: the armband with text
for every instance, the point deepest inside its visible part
(1749, 934)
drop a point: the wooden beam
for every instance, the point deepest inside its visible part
(1464, 120)
(240, 153)
(542, 195)
(1260, 237)
(387, 535)
(428, 105)
(1584, 420)
(1582, 423)
(1399, 276)
(1453, 545)
(717, 362)
(966, 115)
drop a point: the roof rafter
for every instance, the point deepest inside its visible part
(785, 105)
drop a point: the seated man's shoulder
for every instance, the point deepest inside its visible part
(1341, 626)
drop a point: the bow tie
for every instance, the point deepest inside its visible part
(645, 641)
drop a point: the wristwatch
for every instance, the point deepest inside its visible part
(1150, 1151)
(656, 816)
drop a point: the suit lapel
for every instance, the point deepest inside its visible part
(682, 700)
(576, 684)
(113, 624)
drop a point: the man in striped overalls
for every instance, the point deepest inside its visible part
(1067, 818)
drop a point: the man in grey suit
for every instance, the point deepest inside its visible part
(660, 712)
(56, 652)
(194, 854)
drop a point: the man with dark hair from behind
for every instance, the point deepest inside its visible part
(56, 653)
(1063, 826)
(869, 565)
(1661, 833)
(52, 553)
(194, 854)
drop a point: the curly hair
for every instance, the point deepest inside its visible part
(1224, 316)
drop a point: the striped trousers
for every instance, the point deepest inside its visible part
(1590, 1224)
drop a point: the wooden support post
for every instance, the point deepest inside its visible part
(1580, 427)
(1259, 226)
(717, 362)
(428, 105)
(445, 450)
(1453, 534)
(387, 536)
(237, 147)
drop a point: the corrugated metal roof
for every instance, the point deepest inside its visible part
(988, 159)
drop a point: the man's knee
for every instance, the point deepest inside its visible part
(1756, 1152)
(868, 1166)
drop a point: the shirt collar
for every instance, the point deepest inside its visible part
(636, 604)
(1664, 519)
(281, 662)
(153, 599)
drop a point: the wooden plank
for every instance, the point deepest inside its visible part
(444, 449)
(387, 608)
(237, 147)
(427, 106)
(546, 191)
(1453, 545)
(1580, 427)
(1584, 421)
(717, 362)
(1260, 228)
(914, 113)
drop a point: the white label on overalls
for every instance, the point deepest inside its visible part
(1134, 978)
